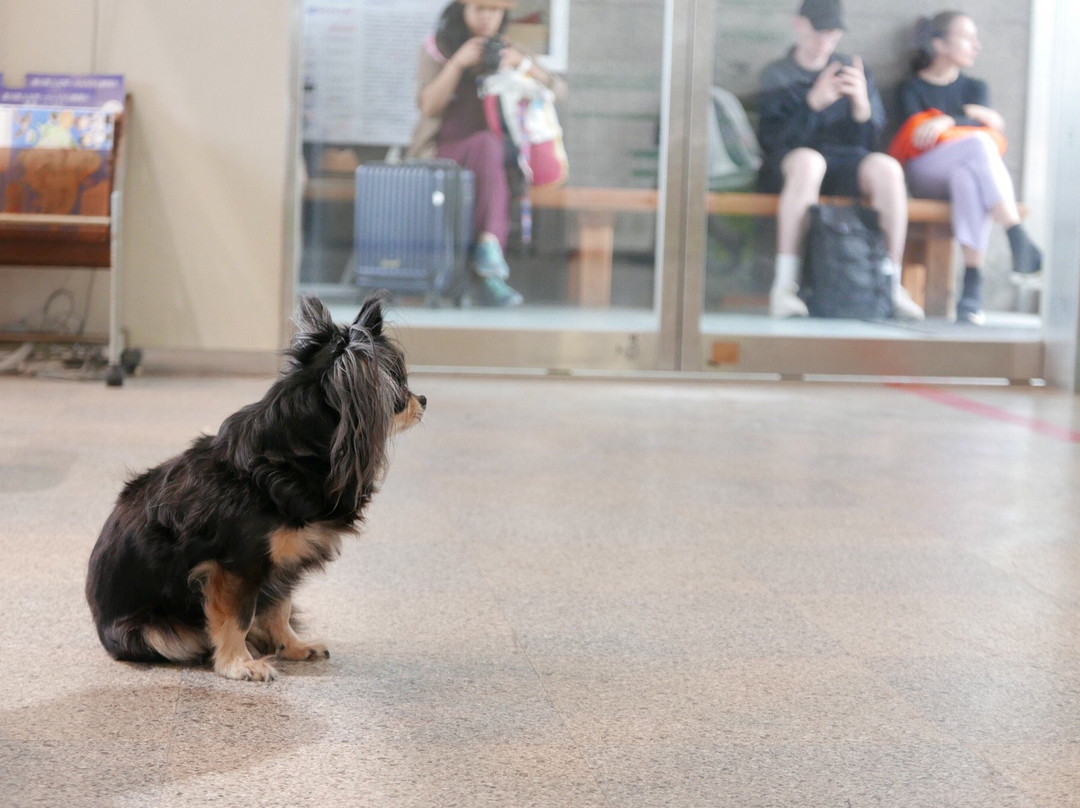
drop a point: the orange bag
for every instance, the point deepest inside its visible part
(903, 149)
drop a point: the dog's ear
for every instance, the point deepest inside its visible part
(312, 319)
(312, 315)
(314, 325)
(370, 317)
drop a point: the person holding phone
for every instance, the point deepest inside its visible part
(821, 119)
(468, 43)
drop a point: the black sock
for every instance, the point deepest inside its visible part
(1027, 258)
(972, 291)
(969, 306)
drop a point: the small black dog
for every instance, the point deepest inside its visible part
(201, 554)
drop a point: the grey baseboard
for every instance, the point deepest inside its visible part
(177, 362)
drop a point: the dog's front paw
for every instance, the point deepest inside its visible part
(248, 670)
(303, 652)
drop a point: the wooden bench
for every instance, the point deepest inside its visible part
(39, 225)
(927, 274)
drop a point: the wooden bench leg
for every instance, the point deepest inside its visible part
(928, 268)
(914, 280)
(940, 278)
(589, 279)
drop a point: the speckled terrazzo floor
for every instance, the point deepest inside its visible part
(587, 593)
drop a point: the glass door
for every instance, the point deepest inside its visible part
(586, 273)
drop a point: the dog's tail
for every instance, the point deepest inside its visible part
(138, 640)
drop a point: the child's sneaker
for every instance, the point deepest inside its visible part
(496, 293)
(488, 260)
(904, 308)
(969, 310)
(785, 302)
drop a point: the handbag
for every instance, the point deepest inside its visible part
(903, 148)
(547, 154)
(843, 274)
(522, 110)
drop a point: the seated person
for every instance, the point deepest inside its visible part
(969, 172)
(821, 118)
(453, 125)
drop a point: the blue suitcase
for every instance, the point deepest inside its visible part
(413, 228)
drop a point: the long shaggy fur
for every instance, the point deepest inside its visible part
(201, 554)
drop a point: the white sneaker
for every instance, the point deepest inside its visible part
(785, 302)
(904, 308)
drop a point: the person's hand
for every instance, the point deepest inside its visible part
(851, 80)
(469, 54)
(927, 133)
(510, 57)
(826, 90)
(985, 116)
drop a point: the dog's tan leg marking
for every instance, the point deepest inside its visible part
(275, 622)
(229, 609)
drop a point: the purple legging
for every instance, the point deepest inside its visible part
(970, 174)
(482, 153)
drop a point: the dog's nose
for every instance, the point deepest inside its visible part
(422, 400)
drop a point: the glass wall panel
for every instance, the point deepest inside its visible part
(582, 285)
(740, 330)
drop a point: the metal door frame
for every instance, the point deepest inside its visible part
(1052, 171)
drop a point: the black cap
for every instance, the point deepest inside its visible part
(824, 15)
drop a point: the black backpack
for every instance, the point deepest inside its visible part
(842, 273)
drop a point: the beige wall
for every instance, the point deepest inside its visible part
(207, 253)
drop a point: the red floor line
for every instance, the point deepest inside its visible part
(957, 402)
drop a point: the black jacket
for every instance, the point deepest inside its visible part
(787, 123)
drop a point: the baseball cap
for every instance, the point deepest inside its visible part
(824, 15)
